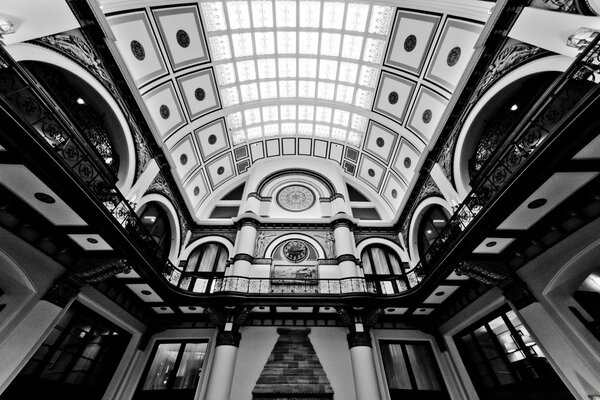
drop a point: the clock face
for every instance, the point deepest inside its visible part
(295, 251)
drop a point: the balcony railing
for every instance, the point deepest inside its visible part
(526, 140)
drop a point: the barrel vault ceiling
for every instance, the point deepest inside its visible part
(228, 83)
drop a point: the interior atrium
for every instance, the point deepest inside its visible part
(299, 199)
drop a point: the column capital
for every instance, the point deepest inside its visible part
(343, 221)
(62, 291)
(243, 257)
(347, 257)
(248, 220)
(356, 339)
(518, 294)
(228, 338)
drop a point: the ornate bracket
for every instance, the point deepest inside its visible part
(490, 273)
(99, 269)
(63, 290)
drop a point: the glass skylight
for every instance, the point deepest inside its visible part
(297, 67)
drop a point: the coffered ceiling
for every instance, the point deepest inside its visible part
(228, 83)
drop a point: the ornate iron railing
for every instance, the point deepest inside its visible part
(526, 139)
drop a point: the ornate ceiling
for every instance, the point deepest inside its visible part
(228, 83)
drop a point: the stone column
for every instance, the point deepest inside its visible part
(246, 243)
(363, 366)
(344, 248)
(223, 366)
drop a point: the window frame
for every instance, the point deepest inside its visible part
(208, 276)
(390, 277)
(426, 215)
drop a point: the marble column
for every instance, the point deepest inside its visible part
(344, 248)
(223, 366)
(363, 366)
(246, 242)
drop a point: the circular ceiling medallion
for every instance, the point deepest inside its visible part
(295, 198)
(183, 159)
(44, 198)
(295, 251)
(220, 170)
(164, 308)
(196, 191)
(183, 39)
(410, 43)
(192, 308)
(212, 139)
(146, 292)
(164, 112)
(393, 97)
(427, 116)
(92, 240)
(407, 162)
(394, 193)
(537, 203)
(491, 244)
(440, 293)
(391, 310)
(380, 142)
(371, 172)
(138, 50)
(200, 94)
(453, 56)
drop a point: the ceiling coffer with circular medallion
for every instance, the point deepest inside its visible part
(295, 198)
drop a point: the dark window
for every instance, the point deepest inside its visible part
(504, 360)
(383, 265)
(156, 221)
(174, 370)
(432, 223)
(235, 194)
(224, 212)
(412, 371)
(355, 195)
(76, 360)
(366, 213)
(207, 263)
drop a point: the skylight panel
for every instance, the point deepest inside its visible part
(354, 138)
(287, 88)
(246, 70)
(288, 128)
(325, 90)
(363, 98)
(368, 76)
(265, 43)
(220, 47)
(266, 68)
(348, 72)
(332, 15)
(341, 117)
(239, 14)
(288, 112)
(381, 16)
(307, 89)
(374, 49)
(252, 116)
(270, 113)
(242, 44)
(344, 93)
(352, 47)
(285, 12)
(238, 137)
(305, 129)
(268, 90)
(249, 92)
(254, 133)
(225, 74)
(323, 114)
(234, 120)
(214, 16)
(328, 69)
(356, 18)
(307, 68)
(330, 44)
(308, 43)
(230, 97)
(262, 14)
(310, 14)
(322, 130)
(306, 113)
(338, 134)
(287, 67)
(359, 122)
(271, 129)
(286, 42)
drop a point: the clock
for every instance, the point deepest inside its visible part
(295, 251)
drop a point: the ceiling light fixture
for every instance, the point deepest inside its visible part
(514, 107)
(80, 101)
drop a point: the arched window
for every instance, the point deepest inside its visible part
(208, 257)
(156, 221)
(382, 266)
(432, 223)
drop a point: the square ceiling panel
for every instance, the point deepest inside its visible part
(182, 35)
(164, 108)
(394, 95)
(197, 189)
(220, 170)
(212, 139)
(184, 157)
(406, 160)
(380, 141)
(393, 191)
(453, 52)
(90, 242)
(371, 172)
(425, 115)
(200, 93)
(138, 46)
(493, 245)
(411, 40)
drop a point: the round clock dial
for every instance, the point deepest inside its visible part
(295, 251)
